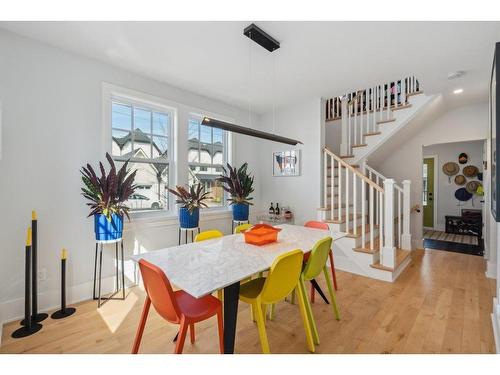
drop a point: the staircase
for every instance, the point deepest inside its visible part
(374, 211)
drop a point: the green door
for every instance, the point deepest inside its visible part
(428, 192)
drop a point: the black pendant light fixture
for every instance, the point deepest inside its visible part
(263, 39)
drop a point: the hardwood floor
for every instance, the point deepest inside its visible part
(440, 304)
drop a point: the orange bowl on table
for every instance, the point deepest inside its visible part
(261, 234)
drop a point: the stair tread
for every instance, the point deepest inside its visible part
(401, 256)
(366, 247)
(414, 93)
(343, 218)
(358, 231)
(337, 167)
(346, 156)
(372, 133)
(404, 106)
(386, 121)
(360, 145)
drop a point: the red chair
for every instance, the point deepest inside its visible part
(321, 225)
(176, 307)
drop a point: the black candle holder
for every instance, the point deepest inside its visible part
(35, 316)
(64, 311)
(30, 327)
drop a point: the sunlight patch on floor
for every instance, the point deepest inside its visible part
(114, 315)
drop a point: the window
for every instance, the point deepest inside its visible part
(425, 185)
(142, 134)
(206, 155)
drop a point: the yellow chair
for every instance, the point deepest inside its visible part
(208, 235)
(283, 277)
(242, 227)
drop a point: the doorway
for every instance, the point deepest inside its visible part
(428, 191)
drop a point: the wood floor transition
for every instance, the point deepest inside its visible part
(441, 304)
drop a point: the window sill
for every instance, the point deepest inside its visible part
(153, 219)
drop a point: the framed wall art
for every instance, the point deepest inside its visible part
(286, 163)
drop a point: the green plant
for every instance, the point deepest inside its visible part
(238, 183)
(108, 193)
(190, 198)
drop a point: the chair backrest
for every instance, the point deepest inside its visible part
(317, 225)
(207, 235)
(283, 276)
(159, 291)
(242, 227)
(317, 259)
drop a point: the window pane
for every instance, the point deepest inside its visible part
(121, 116)
(142, 144)
(152, 183)
(217, 136)
(121, 144)
(205, 134)
(160, 123)
(142, 120)
(160, 146)
(207, 177)
(193, 127)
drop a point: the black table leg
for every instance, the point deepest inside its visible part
(231, 298)
(318, 289)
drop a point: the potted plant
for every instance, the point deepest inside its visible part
(107, 195)
(239, 184)
(191, 200)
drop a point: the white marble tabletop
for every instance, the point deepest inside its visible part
(200, 268)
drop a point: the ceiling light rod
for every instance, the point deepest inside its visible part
(247, 131)
(260, 37)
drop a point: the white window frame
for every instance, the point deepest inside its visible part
(226, 154)
(134, 98)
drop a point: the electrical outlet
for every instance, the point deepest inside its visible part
(42, 274)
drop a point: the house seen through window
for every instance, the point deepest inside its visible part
(142, 134)
(206, 156)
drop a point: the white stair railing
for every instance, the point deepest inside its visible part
(400, 203)
(362, 111)
(351, 196)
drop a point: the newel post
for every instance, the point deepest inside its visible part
(345, 119)
(406, 235)
(388, 253)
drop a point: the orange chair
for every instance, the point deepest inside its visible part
(321, 225)
(176, 307)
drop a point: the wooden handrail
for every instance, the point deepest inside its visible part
(353, 170)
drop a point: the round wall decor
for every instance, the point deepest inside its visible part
(451, 168)
(470, 171)
(472, 186)
(460, 179)
(462, 195)
(462, 158)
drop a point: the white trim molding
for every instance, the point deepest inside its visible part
(495, 320)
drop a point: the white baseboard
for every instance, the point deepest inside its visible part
(491, 270)
(495, 321)
(14, 309)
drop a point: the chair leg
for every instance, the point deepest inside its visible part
(261, 325)
(264, 312)
(182, 336)
(313, 294)
(252, 313)
(140, 328)
(305, 320)
(332, 294)
(220, 326)
(272, 311)
(307, 304)
(332, 267)
(220, 295)
(191, 331)
(293, 297)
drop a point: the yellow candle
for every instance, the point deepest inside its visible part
(33, 215)
(28, 237)
(64, 254)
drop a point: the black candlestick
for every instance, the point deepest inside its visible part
(35, 316)
(30, 326)
(65, 311)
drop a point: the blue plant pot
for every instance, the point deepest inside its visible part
(187, 219)
(107, 230)
(240, 211)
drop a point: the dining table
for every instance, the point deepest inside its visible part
(201, 268)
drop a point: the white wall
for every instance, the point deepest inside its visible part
(465, 123)
(51, 108)
(445, 200)
(301, 121)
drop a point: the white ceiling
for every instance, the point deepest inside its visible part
(315, 58)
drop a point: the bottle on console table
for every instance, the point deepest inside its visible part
(277, 210)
